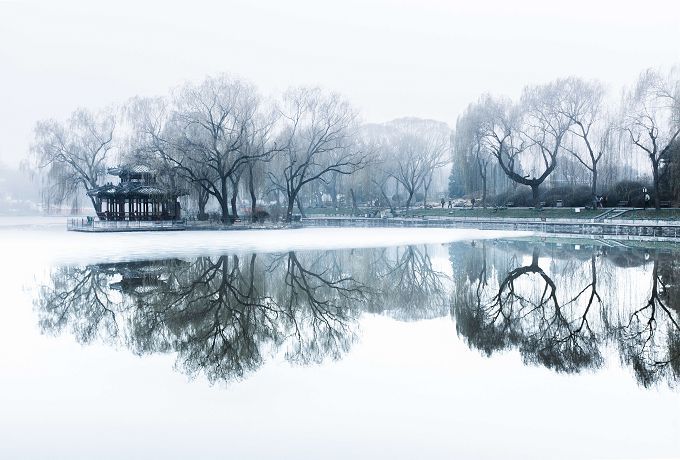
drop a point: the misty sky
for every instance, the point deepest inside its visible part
(391, 58)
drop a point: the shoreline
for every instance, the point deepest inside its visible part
(613, 229)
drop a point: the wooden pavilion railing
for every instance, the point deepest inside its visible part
(91, 224)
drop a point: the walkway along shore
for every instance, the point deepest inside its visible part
(619, 229)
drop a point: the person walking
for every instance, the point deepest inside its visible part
(443, 203)
(647, 198)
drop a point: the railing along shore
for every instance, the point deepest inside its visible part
(86, 224)
(623, 229)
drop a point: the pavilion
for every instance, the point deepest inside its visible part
(137, 197)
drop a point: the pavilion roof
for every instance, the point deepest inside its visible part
(134, 190)
(130, 169)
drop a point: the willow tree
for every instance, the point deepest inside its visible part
(652, 119)
(591, 128)
(473, 155)
(317, 138)
(208, 134)
(74, 152)
(528, 137)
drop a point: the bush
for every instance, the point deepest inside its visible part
(260, 215)
(627, 190)
(519, 197)
(571, 196)
(276, 212)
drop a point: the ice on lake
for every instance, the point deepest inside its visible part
(334, 343)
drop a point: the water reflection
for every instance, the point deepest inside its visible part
(561, 307)
(564, 307)
(221, 315)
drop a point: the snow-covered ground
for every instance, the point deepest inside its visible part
(46, 239)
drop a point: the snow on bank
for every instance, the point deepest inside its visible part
(57, 245)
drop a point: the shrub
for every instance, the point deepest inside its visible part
(579, 195)
(260, 215)
(627, 190)
(521, 196)
(570, 196)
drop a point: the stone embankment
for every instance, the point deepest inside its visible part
(620, 229)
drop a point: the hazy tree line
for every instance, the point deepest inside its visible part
(572, 135)
(222, 141)
(226, 144)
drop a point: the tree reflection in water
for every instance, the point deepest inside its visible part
(222, 316)
(553, 309)
(561, 308)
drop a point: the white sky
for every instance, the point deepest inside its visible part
(392, 58)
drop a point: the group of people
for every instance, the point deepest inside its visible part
(451, 203)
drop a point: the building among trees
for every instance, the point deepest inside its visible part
(138, 196)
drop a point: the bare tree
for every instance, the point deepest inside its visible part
(583, 104)
(208, 134)
(75, 152)
(211, 122)
(528, 136)
(419, 147)
(316, 139)
(649, 336)
(469, 143)
(652, 119)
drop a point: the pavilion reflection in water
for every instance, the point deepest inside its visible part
(565, 309)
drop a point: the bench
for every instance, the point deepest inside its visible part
(665, 204)
(622, 204)
(509, 204)
(559, 203)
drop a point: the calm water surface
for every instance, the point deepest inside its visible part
(477, 348)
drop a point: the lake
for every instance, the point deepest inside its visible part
(336, 343)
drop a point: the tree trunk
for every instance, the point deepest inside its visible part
(201, 210)
(234, 195)
(289, 208)
(655, 175)
(224, 206)
(334, 193)
(387, 201)
(484, 191)
(202, 202)
(594, 184)
(253, 197)
(223, 200)
(408, 201)
(299, 205)
(534, 195)
(354, 201)
(96, 204)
